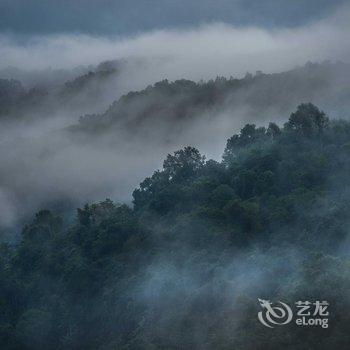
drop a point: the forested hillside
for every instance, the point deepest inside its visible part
(184, 266)
(257, 97)
(50, 159)
(39, 98)
(258, 93)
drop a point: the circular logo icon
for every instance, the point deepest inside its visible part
(274, 315)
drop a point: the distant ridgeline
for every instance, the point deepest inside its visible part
(45, 97)
(323, 84)
(260, 94)
(184, 267)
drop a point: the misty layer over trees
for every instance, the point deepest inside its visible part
(45, 92)
(258, 95)
(50, 159)
(184, 266)
(171, 174)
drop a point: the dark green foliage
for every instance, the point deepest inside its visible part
(183, 269)
(308, 120)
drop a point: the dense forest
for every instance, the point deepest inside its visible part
(184, 265)
(129, 123)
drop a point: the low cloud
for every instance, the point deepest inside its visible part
(204, 52)
(41, 165)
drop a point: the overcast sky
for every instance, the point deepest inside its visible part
(106, 17)
(198, 38)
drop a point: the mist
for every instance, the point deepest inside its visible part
(44, 164)
(155, 185)
(198, 53)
